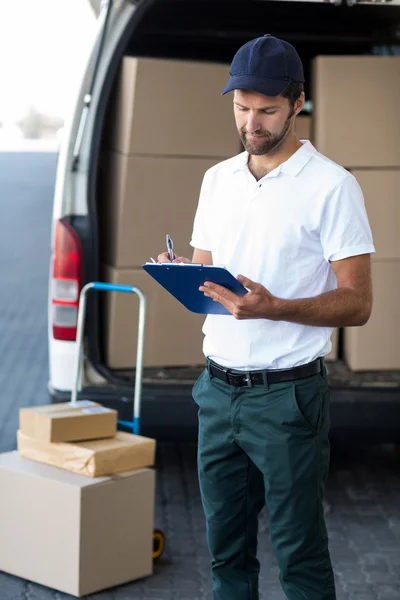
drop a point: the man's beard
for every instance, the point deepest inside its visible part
(269, 142)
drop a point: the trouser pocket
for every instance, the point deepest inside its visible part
(309, 398)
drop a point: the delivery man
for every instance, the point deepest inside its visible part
(291, 224)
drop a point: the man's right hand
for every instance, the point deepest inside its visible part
(164, 258)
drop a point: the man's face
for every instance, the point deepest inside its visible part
(262, 121)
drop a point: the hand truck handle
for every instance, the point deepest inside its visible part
(111, 287)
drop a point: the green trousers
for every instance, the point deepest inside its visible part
(265, 444)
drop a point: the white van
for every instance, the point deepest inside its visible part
(198, 31)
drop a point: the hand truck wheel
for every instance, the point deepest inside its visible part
(158, 543)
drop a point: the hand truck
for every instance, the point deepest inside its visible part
(134, 425)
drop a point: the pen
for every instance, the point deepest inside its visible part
(170, 247)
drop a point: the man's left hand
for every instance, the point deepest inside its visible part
(258, 303)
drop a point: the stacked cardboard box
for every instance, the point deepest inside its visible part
(76, 534)
(166, 126)
(356, 124)
(355, 119)
(67, 422)
(94, 458)
(376, 346)
(77, 516)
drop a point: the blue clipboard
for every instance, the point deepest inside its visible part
(183, 281)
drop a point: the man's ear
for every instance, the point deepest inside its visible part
(299, 104)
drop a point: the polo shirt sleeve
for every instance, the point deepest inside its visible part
(345, 229)
(201, 238)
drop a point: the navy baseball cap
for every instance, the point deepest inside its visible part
(265, 65)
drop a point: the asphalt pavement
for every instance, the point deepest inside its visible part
(363, 491)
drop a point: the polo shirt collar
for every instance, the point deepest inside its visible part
(240, 162)
(298, 160)
(291, 167)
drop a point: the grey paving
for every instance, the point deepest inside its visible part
(363, 492)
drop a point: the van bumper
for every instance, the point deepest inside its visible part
(364, 415)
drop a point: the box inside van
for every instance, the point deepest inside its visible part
(149, 122)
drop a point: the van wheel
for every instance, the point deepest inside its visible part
(158, 543)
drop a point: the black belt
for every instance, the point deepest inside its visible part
(250, 378)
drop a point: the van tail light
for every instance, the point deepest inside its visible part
(66, 281)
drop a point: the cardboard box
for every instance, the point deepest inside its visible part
(355, 102)
(75, 534)
(94, 458)
(172, 108)
(303, 127)
(381, 189)
(173, 334)
(376, 345)
(67, 423)
(334, 353)
(143, 199)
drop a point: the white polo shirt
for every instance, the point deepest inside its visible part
(280, 231)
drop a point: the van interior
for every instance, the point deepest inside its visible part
(206, 32)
